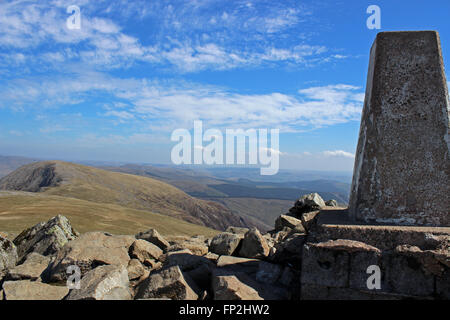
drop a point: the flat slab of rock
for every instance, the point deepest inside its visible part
(103, 283)
(8, 254)
(284, 221)
(154, 237)
(168, 283)
(231, 288)
(225, 243)
(89, 251)
(31, 269)
(30, 290)
(45, 238)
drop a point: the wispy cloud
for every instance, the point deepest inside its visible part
(188, 36)
(168, 105)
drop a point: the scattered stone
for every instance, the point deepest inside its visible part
(196, 245)
(254, 245)
(154, 237)
(8, 254)
(309, 219)
(31, 290)
(185, 259)
(307, 203)
(103, 283)
(225, 261)
(284, 221)
(145, 252)
(225, 243)
(167, 283)
(230, 288)
(212, 257)
(331, 203)
(89, 251)
(46, 238)
(135, 269)
(289, 251)
(31, 269)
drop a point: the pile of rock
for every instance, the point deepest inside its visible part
(290, 262)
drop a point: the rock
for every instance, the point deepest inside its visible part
(331, 203)
(309, 219)
(167, 283)
(307, 203)
(289, 251)
(31, 269)
(30, 290)
(154, 237)
(135, 269)
(254, 245)
(46, 238)
(103, 283)
(212, 257)
(196, 267)
(145, 252)
(225, 261)
(230, 288)
(185, 259)
(8, 254)
(195, 245)
(284, 221)
(225, 243)
(89, 251)
(237, 230)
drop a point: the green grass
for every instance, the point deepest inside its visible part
(20, 210)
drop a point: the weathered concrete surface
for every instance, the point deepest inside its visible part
(402, 164)
(336, 224)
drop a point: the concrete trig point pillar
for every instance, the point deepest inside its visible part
(402, 166)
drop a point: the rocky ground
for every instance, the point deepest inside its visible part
(239, 264)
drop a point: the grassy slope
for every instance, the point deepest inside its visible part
(20, 210)
(125, 190)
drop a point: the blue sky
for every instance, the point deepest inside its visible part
(136, 70)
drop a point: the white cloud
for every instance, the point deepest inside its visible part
(182, 35)
(169, 105)
(338, 153)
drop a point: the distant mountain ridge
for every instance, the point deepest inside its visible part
(131, 191)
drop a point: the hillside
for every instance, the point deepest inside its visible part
(20, 210)
(9, 163)
(56, 178)
(258, 201)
